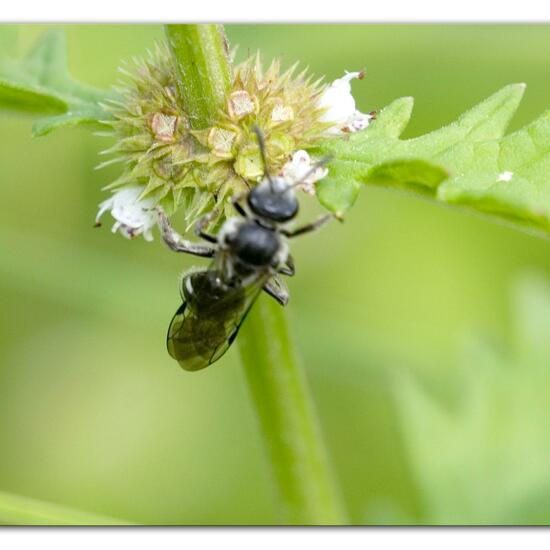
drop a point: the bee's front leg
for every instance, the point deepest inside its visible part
(201, 224)
(317, 224)
(235, 201)
(177, 243)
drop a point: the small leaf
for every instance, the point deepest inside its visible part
(40, 84)
(467, 447)
(79, 117)
(467, 163)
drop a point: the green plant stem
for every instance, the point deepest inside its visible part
(277, 384)
(202, 63)
(287, 418)
(18, 510)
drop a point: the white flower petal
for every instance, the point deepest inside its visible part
(340, 106)
(132, 216)
(302, 171)
(103, 207)
(359, 121)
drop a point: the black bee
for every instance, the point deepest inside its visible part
(249, 254)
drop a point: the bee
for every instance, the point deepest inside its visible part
(249, 254)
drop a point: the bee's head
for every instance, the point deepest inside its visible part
(273, 199)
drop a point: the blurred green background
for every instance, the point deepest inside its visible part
(423, 330)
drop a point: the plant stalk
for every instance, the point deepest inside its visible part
(287, 417)
(279, 391)
(202, 65)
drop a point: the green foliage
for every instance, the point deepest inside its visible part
(505, 176)
(482, 457)
(469, 163)
(18, 510)
(93, 413)
(40, 83)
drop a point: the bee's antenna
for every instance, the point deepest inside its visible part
(326, 159)
(261, 144)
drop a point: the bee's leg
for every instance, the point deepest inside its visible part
(177, 243)
(199, 228)
(227, 267)
(277, 291)
(289, 268)
(235, 202)
(309, 227)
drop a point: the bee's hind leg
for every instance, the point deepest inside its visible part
(277, 290)
(177, 243)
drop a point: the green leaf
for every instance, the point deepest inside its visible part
(408, 174)
(469, 163)
(479, 449)
(40, 83)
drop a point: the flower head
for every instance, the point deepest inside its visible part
(169, 164)
(339, 106)
(133, 216)
(284, 105)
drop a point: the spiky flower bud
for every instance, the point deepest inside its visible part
(197, 171)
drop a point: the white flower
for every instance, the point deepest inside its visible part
(133, 217)
(302, 171)
(340, 106)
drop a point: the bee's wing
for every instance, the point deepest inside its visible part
(203, 328)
